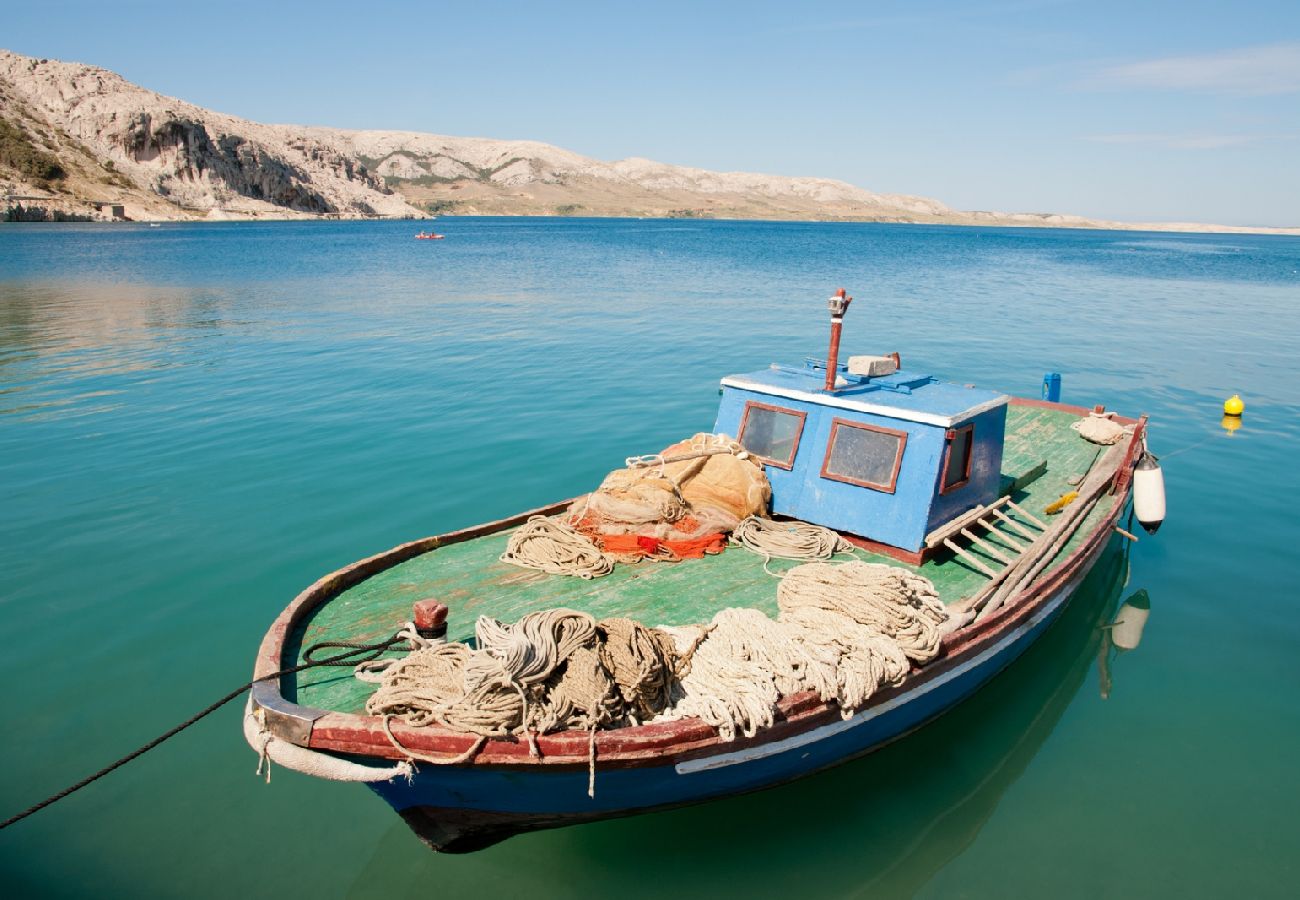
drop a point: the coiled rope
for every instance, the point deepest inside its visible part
(551, 670)
(842, 632)
(787, 540)
(550, 546)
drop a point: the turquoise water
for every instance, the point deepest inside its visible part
(196, 421)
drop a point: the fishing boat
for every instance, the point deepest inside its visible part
(903, 540)
(429, 236)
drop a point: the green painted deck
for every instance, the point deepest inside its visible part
(472, 581)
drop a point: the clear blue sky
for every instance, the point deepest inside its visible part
(1179, 110)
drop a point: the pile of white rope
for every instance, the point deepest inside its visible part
(551, 670)
(843, 631)
(551, 546)
(899, 604)
(787, 540)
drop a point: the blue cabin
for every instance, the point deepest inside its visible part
(888, 455)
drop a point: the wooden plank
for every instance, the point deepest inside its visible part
(1023, 479)
(947, 542)
(1014, 524)
(986, 546)
(937, 537)
(1024, 512)
(1005, 538)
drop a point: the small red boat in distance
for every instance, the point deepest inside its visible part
(429, 236)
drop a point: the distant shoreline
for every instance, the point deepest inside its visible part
(995, 221)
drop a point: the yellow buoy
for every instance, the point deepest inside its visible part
(1233, 406)
(1064, 501)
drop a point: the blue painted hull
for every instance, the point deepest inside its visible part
(464, 808)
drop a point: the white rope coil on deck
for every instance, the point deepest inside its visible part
(899, 604)
(843, 631)
(787, 540)
(550, 546)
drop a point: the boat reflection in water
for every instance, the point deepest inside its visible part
(1123, 634)
(901, 813)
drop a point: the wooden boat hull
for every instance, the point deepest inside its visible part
(456, 809)
(478, 799)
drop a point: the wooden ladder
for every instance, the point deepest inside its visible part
(997, 525)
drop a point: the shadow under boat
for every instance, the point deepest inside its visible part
(900, 814)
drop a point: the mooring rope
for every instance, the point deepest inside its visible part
(347, 658)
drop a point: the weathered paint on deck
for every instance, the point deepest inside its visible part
(472, 581)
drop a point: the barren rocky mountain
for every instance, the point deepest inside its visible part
(76, 140)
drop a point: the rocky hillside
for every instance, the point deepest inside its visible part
(75, 140)
(79, 133)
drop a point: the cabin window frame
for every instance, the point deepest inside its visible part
(798, 433)
(887, 488)
(951, 438)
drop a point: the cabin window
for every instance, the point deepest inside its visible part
(772, 433)
(956, 459)
(866, 455)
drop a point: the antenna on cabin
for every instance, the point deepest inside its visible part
(838, 305)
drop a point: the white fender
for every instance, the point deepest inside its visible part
(1149, 493)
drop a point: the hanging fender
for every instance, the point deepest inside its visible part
(1149, 492)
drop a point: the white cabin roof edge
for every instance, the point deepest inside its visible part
(892, 412)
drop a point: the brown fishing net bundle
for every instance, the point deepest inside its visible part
(680, 503)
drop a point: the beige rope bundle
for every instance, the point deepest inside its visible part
(535, 646)
(551, 670)
(899, 604)
(843, 631)
(862, 659)
(727, 687)
(643, 663)
(550, 546)
(787, 540)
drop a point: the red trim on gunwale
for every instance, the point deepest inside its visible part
(655, 743)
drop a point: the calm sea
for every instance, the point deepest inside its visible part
(196, 421)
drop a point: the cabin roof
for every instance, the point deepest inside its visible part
(910, 396)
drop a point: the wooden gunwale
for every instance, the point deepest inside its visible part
(654, 743)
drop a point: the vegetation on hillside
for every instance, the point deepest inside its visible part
(19, 152)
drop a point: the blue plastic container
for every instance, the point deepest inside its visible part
(1052, 387)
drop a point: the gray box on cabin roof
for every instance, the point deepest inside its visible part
(872, 366)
